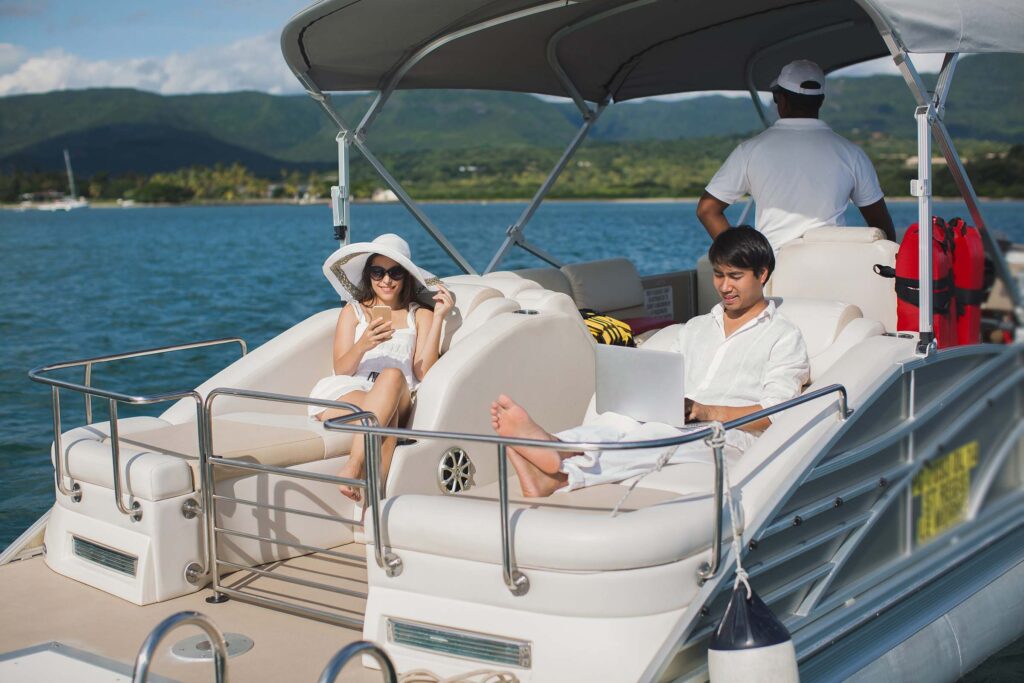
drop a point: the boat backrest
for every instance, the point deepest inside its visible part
(837, 264)
(829, 329)
(611, 286)
(468, 299)
(549, 278)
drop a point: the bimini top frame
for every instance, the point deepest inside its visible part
(600, 51)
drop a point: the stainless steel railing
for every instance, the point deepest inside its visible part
(74, 491)
(360, 647)
(387, 561)
(220, 649)
(515, 580)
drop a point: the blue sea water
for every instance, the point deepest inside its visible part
(101, 281)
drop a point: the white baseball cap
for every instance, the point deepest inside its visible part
(802, 76)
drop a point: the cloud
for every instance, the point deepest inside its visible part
(248, 64)
(11, 56)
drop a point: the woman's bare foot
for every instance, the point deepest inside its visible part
(351, 470)
(508, 418)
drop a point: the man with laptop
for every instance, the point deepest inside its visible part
(739, 358)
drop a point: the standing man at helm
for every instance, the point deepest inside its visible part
(799, 172)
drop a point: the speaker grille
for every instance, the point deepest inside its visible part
(122, 563)
(453, 643)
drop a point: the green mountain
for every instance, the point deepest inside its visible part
(120, 131)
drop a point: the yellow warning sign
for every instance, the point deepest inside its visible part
(943, 488)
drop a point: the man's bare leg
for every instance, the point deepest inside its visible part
(534, 482)
(539, 469)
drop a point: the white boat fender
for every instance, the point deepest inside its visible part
(750, 645)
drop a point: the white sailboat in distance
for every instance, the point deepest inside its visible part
(72, 200)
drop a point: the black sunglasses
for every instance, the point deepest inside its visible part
(377, 273)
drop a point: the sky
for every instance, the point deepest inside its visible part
(184, 46)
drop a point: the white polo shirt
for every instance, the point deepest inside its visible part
(801, 175)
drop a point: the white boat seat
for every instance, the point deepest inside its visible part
(570, 532)
(467, 298)
(508, 286)
(602, 499)
(611, 286)
(160, 460)
(486, 311)
(549, 278)
(837, 264)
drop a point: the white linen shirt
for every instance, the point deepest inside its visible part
(801, 174)
(764, 362)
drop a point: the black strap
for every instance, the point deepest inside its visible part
(969, 297)
(910, 291)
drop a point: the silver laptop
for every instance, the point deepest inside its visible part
(647, 386)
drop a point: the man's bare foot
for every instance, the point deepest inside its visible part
(508, 418)
(351, 470)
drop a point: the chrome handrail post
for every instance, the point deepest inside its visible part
(75, 492)
(144, 659)
(88, 397)
(389, 562)
(717, 442)
(135, 511)
(360, 647)
(844, 411)
(207, 484)
(517, 582)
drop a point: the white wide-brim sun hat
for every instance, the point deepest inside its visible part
(344, 268)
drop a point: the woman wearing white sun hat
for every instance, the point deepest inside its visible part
(379, 361)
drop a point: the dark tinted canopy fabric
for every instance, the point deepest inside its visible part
(623, 48)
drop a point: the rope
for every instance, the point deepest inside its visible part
(659, 463)
(717, 440)
(475, 676)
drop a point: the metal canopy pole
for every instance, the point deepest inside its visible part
(345, 133)
(515, 231)
(956, 167)
(514, 234)
(922, 189)
(402, 69)
(341, 193)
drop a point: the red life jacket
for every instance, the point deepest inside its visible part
(907, 274)
(968, 280)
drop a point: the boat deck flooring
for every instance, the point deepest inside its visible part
(41, 606)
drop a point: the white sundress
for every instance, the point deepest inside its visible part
(396, 352)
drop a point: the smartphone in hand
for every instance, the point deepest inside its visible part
(380, 312)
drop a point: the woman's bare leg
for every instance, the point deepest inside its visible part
(383, 400)
(353, 467)
(399, 418)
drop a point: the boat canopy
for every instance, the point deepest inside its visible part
(621, 49)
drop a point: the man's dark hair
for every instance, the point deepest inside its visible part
(802, 106)
(743, 247)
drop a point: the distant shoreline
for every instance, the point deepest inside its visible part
(110, 204)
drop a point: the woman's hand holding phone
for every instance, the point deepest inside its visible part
(378, 330)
